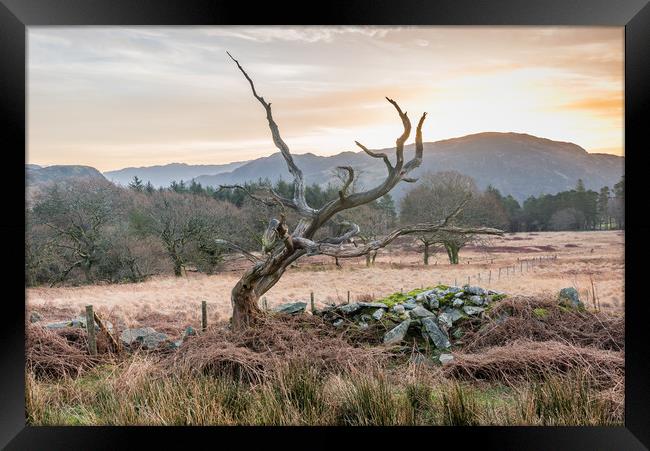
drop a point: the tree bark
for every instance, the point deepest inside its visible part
(426, 253)
(452, 252)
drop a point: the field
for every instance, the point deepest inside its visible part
(543, 365)
(173, 303)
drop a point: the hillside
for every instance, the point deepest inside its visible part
(165, 174)
(37, 175)
(517, 164)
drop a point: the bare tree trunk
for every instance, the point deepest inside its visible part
(426, 253)
(244, 305)
(452, 252)
(178, 266)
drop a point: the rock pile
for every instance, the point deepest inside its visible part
(432, 313)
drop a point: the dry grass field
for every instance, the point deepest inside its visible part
(170, 303)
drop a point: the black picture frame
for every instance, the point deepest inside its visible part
(16, 15)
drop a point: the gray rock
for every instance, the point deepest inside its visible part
(363, 325)
(473, 311)
(476, 300)
(338, 322)
(292, 308)
(433, 332)
(570, 297)
(445, 320)
(397, 333)
(147, 337)
(420, 312)
(399, 309)
(453, 290)
(453, 313)
(365, 318)
(409, 306)
(458, 295)
(63, 324)
(434, 303)
(35, 317)
(348, 309)
(378, 314)
(445, 358)
(475, 290)
(372, 305)
(458, 303)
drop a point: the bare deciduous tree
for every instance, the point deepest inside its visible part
(434, 199)
(282, 247)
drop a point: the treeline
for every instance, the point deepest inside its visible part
(576, 209)
(89, 231)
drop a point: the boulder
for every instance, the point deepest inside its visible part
(292, 308)
(453, 313)
(476, 300)
(434, 302)
(80, 323)
(372, 305)
(420, 312)
(147, 337)
(444, 319)
(458, 303)
(445, 358)
(570, 297)
(409, 306)
(378, 314)
(397, 334)
(433, 332)
(475, 291)
(338, 322)
(473, 311)
(348, 309)
(399, 309)
(363, 325)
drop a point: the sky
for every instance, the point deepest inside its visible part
(114, 97)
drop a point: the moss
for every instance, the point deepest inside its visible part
(442, 287)
(540, 312)
(498, 297)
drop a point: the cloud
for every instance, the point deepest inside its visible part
(310, 34)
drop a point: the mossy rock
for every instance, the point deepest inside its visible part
(541, 313)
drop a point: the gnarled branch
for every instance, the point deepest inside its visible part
(348, 181)
(238, 248)
(320, 248)
(299, 184)
(353, 230)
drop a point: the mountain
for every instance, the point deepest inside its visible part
(515, 163)
(36, 175)
(164, 175)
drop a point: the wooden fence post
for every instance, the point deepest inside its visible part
(311, 297)
(90, 328)
(348, 296)
(204, 316)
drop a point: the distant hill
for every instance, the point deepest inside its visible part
(515, 163)
(165, 174)
(37, 175)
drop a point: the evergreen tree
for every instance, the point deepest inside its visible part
(136, 184)
(603, 204)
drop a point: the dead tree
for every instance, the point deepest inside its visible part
(282, 247)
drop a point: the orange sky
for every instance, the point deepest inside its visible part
(112, 97)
